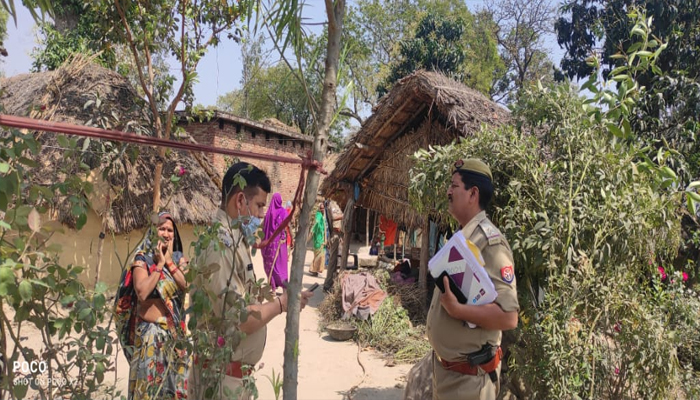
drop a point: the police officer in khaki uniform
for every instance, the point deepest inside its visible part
(467, 361)
(232, 263)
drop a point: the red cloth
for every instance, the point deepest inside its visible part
(389, 228)
(290, 240)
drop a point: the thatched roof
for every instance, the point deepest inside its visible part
(62, 95)
(424, 108)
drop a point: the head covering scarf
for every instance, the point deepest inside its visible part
(275, 256)
(166, 288)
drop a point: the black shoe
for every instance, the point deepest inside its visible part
(313, 273)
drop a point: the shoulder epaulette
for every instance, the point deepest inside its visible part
(493, 235)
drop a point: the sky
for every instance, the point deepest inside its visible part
(220, 69)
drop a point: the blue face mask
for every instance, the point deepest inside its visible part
(251, 226)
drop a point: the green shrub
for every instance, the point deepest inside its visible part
(590, 217)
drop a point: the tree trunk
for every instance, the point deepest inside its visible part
(347, 232)
(335, 11)
(157, 178)
(100, 248)
(424, 257)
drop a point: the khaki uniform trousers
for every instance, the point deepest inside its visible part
(451, 385)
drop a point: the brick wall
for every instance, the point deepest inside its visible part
(284, 177)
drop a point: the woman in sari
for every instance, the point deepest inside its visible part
(318, 233)
(275, 256)
(158, 370)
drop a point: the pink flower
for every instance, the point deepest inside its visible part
(220, 341)
(662, 271)
(618, 327)
(617, 371)
(685, 276)
(182, 171)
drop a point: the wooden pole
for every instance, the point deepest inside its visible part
(424, 257)
(367, 230)
(347, 231)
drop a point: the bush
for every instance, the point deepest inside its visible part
(589, 218)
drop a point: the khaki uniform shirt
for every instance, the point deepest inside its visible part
(452, 339)
(217, 269)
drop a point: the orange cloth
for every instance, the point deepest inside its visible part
(389, 228)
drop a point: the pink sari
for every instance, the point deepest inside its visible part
(275, 255)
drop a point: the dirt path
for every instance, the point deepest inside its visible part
(327, 369)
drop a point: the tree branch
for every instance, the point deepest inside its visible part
(134, 52)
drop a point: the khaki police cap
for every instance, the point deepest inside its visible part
(474, 165)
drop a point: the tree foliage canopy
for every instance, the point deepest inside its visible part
(671, 102)
(459, 46)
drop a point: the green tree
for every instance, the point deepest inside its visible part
(668, 111)
(453, 45)
(185, 30)
(520, 27)
(271, 92)
(76, 27)
(274, 91)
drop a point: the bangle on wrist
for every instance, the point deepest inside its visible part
(280, 301)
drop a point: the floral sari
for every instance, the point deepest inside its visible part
(158, 370)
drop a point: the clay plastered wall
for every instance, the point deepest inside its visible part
(284, 177)
(80, 248)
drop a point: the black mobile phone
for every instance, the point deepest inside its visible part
(453, 287)
(313, 287)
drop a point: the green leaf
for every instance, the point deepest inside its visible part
(694, 196)
(693, 185)
(20, 391)
(101, 287)
(84, 313)
(668, 172)
(4, 168)
(615, 130)
(82, 219)
(25, 290)
(63, 141)
(100, 343)
(99, 301)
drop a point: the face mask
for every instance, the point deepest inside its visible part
(251, 226)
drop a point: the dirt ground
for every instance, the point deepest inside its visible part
(327, 369)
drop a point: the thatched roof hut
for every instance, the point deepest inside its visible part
(84, 93)
(424, 108)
